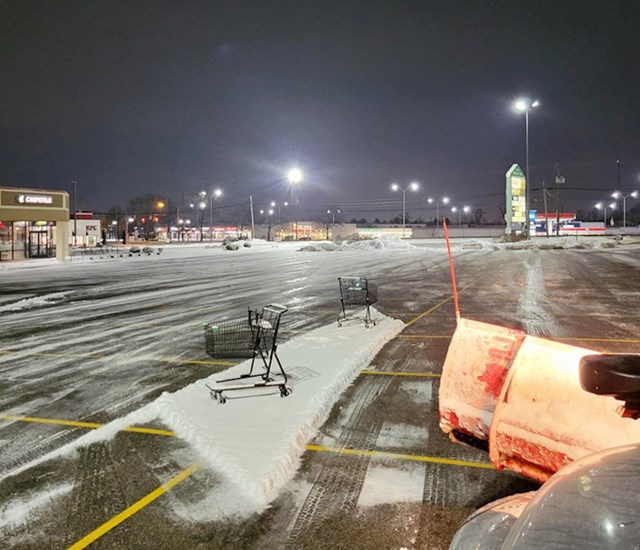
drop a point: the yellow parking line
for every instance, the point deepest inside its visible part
(437, 306)
(148, 499)
(310, 447)
(80, 424)
(394, 373)
(400, 456)
(134, 508)
(425, 313)
(612, 340)
(199, 362)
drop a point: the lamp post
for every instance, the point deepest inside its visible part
(332, 213)
(294, 176)
(601, 206)
(444, 202)
(201, 206)
(619, 195)
(216, 193)
(525, 105)
(464, 209)
(413, 186)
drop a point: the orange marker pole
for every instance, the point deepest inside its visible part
(451, 268)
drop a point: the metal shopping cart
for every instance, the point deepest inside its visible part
(357, 291)
(234, 338)
(252, 336)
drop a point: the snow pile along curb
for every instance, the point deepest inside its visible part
(257, 438)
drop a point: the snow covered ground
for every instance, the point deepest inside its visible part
(118, 340)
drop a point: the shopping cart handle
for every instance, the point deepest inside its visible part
(277, 308)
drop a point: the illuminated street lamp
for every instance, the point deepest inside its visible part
(294, 176)
(601, 206)
(331, 213)
(618, 195)
(274, 204)
(162, 205)
(413, 186)
(443, 202)
(464, 209)
(525, 105)
(217, 193)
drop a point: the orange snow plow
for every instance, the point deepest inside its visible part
(534, 404)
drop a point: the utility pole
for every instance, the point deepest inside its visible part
(546, 217)
(168, 219)
(75, 214)
(253, 224)
(559, 181)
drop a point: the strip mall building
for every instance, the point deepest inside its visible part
(34, 223)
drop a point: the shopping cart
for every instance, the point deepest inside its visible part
(234, 338)
(254, 336)
(357, 291)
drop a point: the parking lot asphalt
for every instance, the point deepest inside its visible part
(379, 474)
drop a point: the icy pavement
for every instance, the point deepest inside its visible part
(256, 439)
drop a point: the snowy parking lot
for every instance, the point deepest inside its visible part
(353, 458)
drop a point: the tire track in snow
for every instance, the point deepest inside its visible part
(337, 486)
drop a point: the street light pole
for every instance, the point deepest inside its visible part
(333, 221)
(445, 201)
(599, 206)
(525, 104)
(413, 186)
(619, 195)
(295, 176)
(217, 193)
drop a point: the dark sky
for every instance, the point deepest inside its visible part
(132, 97)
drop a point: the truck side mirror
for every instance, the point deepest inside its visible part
(614, 375)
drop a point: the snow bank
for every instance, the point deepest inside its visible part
(257, 438)
(384, 242)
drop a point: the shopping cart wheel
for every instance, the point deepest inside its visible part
(285, 390)
(217, 396)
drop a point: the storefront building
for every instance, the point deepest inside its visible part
(34, 223)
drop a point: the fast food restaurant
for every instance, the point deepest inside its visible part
(34, 223)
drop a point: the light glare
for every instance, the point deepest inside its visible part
(295, 175)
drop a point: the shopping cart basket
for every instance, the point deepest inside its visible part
(357, 291)
(263, 327)
(232, 337)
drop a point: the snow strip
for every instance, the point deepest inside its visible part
(257, 438)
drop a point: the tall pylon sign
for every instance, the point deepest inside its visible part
(516, 192)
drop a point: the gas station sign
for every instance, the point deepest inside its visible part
(516, 195)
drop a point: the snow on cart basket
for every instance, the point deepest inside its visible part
(252, 336)
(357, 291)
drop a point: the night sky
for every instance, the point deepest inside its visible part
(134, 97)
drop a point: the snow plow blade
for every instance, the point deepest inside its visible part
(545, 419)
(473, 374)
(520, 398)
